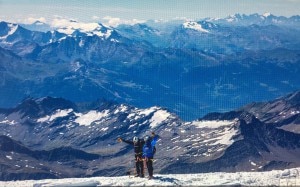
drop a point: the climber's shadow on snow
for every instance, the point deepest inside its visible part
(166, 179)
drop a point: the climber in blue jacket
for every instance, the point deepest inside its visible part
(149, 151)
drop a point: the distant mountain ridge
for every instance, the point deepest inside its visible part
(174, 65)
(239, 19)
(264, 19)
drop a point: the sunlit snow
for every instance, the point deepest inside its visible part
(8, 122)
(69, 26)
(90, 117)
(101, 34)
(212, 124)
(122, 108)
(288, 177)
(59, 113)
(217, 135)
(195, 26)
(158, 117)
(12, 30)
(147, 111)
(267, 14)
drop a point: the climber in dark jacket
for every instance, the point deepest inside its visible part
(149, 151)
(138, 151)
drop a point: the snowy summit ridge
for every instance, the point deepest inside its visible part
(195, 26)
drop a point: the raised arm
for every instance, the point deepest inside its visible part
(154, 139)
(126, 141)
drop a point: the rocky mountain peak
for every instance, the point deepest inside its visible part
(39, 107)
(293, 98)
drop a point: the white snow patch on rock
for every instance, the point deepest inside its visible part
(215, 132)
(147, 111)
(195, 26)
(59, 113)
(8, 122)
(158, 117)
(90, 117)
(212, 124)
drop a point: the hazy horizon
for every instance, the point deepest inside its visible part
(136, 11)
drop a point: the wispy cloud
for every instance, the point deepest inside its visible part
(31, 20)
(24, 19)
(69, 25)
(269, 88)
(95, 18)
(114, 21)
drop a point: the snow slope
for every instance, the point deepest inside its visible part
(288, 177)
(195, 26)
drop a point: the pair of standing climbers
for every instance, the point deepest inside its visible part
(144, 150)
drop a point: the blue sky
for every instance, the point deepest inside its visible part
(91, 10)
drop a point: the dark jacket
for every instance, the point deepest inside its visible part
(138, 147)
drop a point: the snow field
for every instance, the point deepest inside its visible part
(288, 177)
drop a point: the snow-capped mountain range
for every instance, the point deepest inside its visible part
(191, 67)
(264, 19)
(55, 138)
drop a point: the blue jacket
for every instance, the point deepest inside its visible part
(148, 148)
